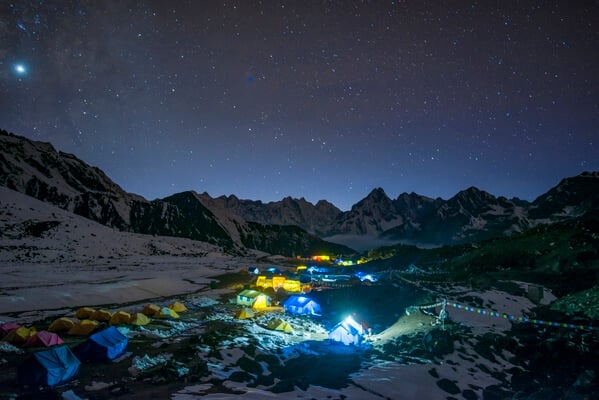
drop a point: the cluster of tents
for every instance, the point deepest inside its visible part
(58, 363)
(87, 321)
(253, 301)
(23, 336)
(90, 319)
(348, 331)
(295, 304)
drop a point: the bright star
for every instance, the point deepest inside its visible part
(20, 69)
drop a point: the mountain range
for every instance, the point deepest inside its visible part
(289, 226)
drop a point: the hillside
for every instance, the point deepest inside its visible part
(563, 257)
(36, 169)
(472, 215)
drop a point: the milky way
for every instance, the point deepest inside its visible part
(314, 99)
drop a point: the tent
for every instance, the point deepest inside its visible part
(61, 324)
(120, 317)
(6, 327)
(253, 298)
(301, 305)
(84, 328)
(139, 319)
(101, 346)
(20, 335)
(84, 312)
(277, 324)
(49, 367)
(101, 315)
(150, 309)
(178, 307)
(166, 312)
(43, 339)
(347, 332)
(245, 313)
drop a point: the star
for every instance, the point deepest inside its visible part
(20, 69)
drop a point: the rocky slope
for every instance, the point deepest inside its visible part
(471, 215)
(38, 170)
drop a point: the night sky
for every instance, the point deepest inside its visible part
(315, 99)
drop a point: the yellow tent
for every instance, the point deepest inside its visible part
(150, 309)
(62, 324)
(292, 285)
(20, 335)
(139, 319)
(255, 299)
(101, 315)
(84, 312)
(166, 312)
(277, 324)
(84, 327)
(120, 317)
(178, 307)
(262, 301)
(278, 281)
(245, 313)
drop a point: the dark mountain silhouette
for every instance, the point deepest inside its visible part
(38, 170)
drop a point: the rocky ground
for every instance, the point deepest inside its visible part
(209, 353)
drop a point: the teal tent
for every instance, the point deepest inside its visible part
(49, 367)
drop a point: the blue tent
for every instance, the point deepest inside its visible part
(49, 367)
(104, 345)
(347, 332)
(302, 305)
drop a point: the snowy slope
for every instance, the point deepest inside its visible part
(51, 258)
(34, 231)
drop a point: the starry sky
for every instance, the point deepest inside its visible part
(314, 99)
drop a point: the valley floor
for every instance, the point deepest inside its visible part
(210, 354)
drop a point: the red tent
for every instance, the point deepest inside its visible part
(43, 339)
(7, 327)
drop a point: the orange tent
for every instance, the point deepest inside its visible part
(62, 324)
(20, 335)
(84, 312)
(150, 309)
(178, 307)
(139, 319)
(120, 317)
(84, 328)
(101, 315)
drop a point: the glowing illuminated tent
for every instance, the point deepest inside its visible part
(245, 313)
(166, 312)
(101, 346)
(62, 324)
(277, 324)
(253, 298)
(150, 309)
(84, 312)
(178, 307)
(139, 319)
(43, 339)
(101, 315)
(49, 367)
(347, 332)
(301, 305)
(20, 335)
(84, 327)
(120, 317)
